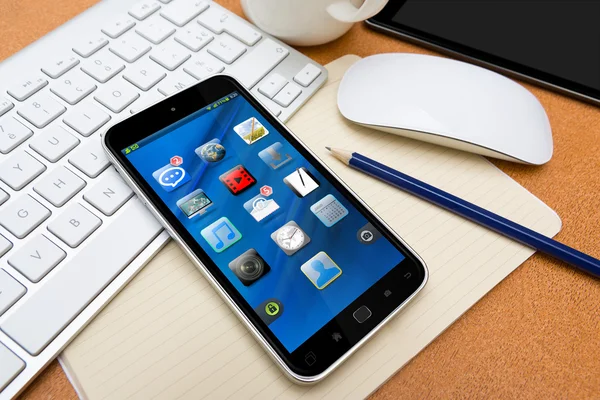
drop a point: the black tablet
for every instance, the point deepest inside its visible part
(552, 43)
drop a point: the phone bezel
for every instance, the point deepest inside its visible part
(384, 22)
(181, 105)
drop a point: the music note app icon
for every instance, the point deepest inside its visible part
(221, 234)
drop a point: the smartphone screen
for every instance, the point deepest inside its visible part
(293, 246)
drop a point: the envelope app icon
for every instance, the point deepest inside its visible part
(261, 207)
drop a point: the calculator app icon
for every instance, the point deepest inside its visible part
(329, 210)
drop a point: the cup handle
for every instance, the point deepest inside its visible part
(346, 12)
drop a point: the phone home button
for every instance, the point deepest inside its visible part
(362, 314)
(310, 358)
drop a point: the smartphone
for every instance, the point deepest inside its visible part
(308, 268)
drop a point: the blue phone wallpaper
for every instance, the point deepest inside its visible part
(292, 245)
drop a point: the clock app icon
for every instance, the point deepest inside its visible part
(290, 238)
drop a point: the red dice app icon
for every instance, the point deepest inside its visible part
(237, 179)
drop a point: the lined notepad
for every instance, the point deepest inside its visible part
(169, 335)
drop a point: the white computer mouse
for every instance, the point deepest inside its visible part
(447, 102)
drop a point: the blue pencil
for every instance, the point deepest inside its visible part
(470, 211)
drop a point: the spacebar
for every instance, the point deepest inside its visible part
(49, 310)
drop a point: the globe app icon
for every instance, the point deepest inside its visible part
(211, 152)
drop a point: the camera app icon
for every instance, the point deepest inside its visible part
(368, 234)
(249, 267)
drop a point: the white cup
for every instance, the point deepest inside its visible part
(309, 22)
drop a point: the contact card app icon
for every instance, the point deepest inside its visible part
(321, 270)
(171, 177)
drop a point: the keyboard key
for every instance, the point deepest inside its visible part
(220, 21)
(36, 258)
(130, 47)
(117, 96)
(155, 30)
(307, 75)
(41, 110)
(53, 143)
(170, 56)
(183, 11)
(74, 225)
(73, 87)
(226, 49)
(144, 9)
(90, 158)
(175, 82)
(103, 67)
(274, 109)
(203, 66)
(272, 85)
(59, 66)
(20, 169)
(87, 47)
(144, 74)
(86, 119)
(287, 95)
(12, 134)
(109, 194)
(23, 215)
(256, 65)
(25, 89)
(10, 366)
(151, 97)
(3, 196)
(118, 26)
(42, 316)
(5, 105)
(194, 37)
(59, 186)
(5, 246)
(10, 292)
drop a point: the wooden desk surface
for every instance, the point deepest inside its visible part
(537, 334)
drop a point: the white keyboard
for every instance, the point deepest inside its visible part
(71, 232)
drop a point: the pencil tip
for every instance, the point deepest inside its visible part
(328, 148)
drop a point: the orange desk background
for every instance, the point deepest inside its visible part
(537, 334)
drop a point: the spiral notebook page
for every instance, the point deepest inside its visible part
(169, 335)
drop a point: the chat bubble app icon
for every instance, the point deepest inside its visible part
(170, 177)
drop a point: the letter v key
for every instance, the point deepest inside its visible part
(46, 256)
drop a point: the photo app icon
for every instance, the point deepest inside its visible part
(251, 130)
